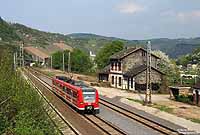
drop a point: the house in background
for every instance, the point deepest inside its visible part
(127, 70)
(92, 56)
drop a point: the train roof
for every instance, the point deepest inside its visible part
(77, 83)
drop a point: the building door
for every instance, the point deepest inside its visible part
(116, 81)
(128, 83)
(197, 97)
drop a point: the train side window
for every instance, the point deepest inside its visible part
(64, 88)
(75, 94)
(68, 91)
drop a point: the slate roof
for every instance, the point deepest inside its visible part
(122, 53)
(139, 69)
(105, 70)
(126, 52)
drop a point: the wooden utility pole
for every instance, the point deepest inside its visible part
(14, 61)
(150, 87)
(148, 75)
(21, 55)
(63, 62)
(51, 61)
(69, 65)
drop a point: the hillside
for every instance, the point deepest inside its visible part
(90, 42)
(173, 47)
(7, 33)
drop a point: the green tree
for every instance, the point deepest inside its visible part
(80, 61)
(7, 33)
(184, 60)
(102, 58)
(57, 59)
(169, 67)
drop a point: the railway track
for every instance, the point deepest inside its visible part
(61, 124)
(132, 115)
(106, 127)
(145, 121)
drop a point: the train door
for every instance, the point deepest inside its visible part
(71, 96)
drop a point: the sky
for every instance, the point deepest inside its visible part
(128, 19)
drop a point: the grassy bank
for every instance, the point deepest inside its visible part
(21, 109)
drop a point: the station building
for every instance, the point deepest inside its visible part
(127, 70)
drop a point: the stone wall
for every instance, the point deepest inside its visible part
(131, 60)
(137, 58)
(156, 77)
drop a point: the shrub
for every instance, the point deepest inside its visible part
(21, 109)
(184, 98)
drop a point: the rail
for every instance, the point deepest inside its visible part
(132, 115)
(105, 126)
(59, 121)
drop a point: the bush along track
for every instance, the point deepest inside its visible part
(21, 109)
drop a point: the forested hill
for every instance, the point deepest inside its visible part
(90, 42)
(7, 33)
(172, 47)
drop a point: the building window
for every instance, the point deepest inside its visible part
(120, 81)
(132, 82)
(112, 66)
(112, 79)
(119, 66)
(143, 53)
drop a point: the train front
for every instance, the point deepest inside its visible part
(90, 99)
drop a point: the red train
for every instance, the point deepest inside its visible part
(76, 93)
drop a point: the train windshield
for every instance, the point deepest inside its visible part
(80, 84)
(63, 78)
(88, 94)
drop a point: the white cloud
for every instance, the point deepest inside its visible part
(185, 16)
(168, 13)
(130, 8)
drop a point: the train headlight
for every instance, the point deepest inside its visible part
(89, 107)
